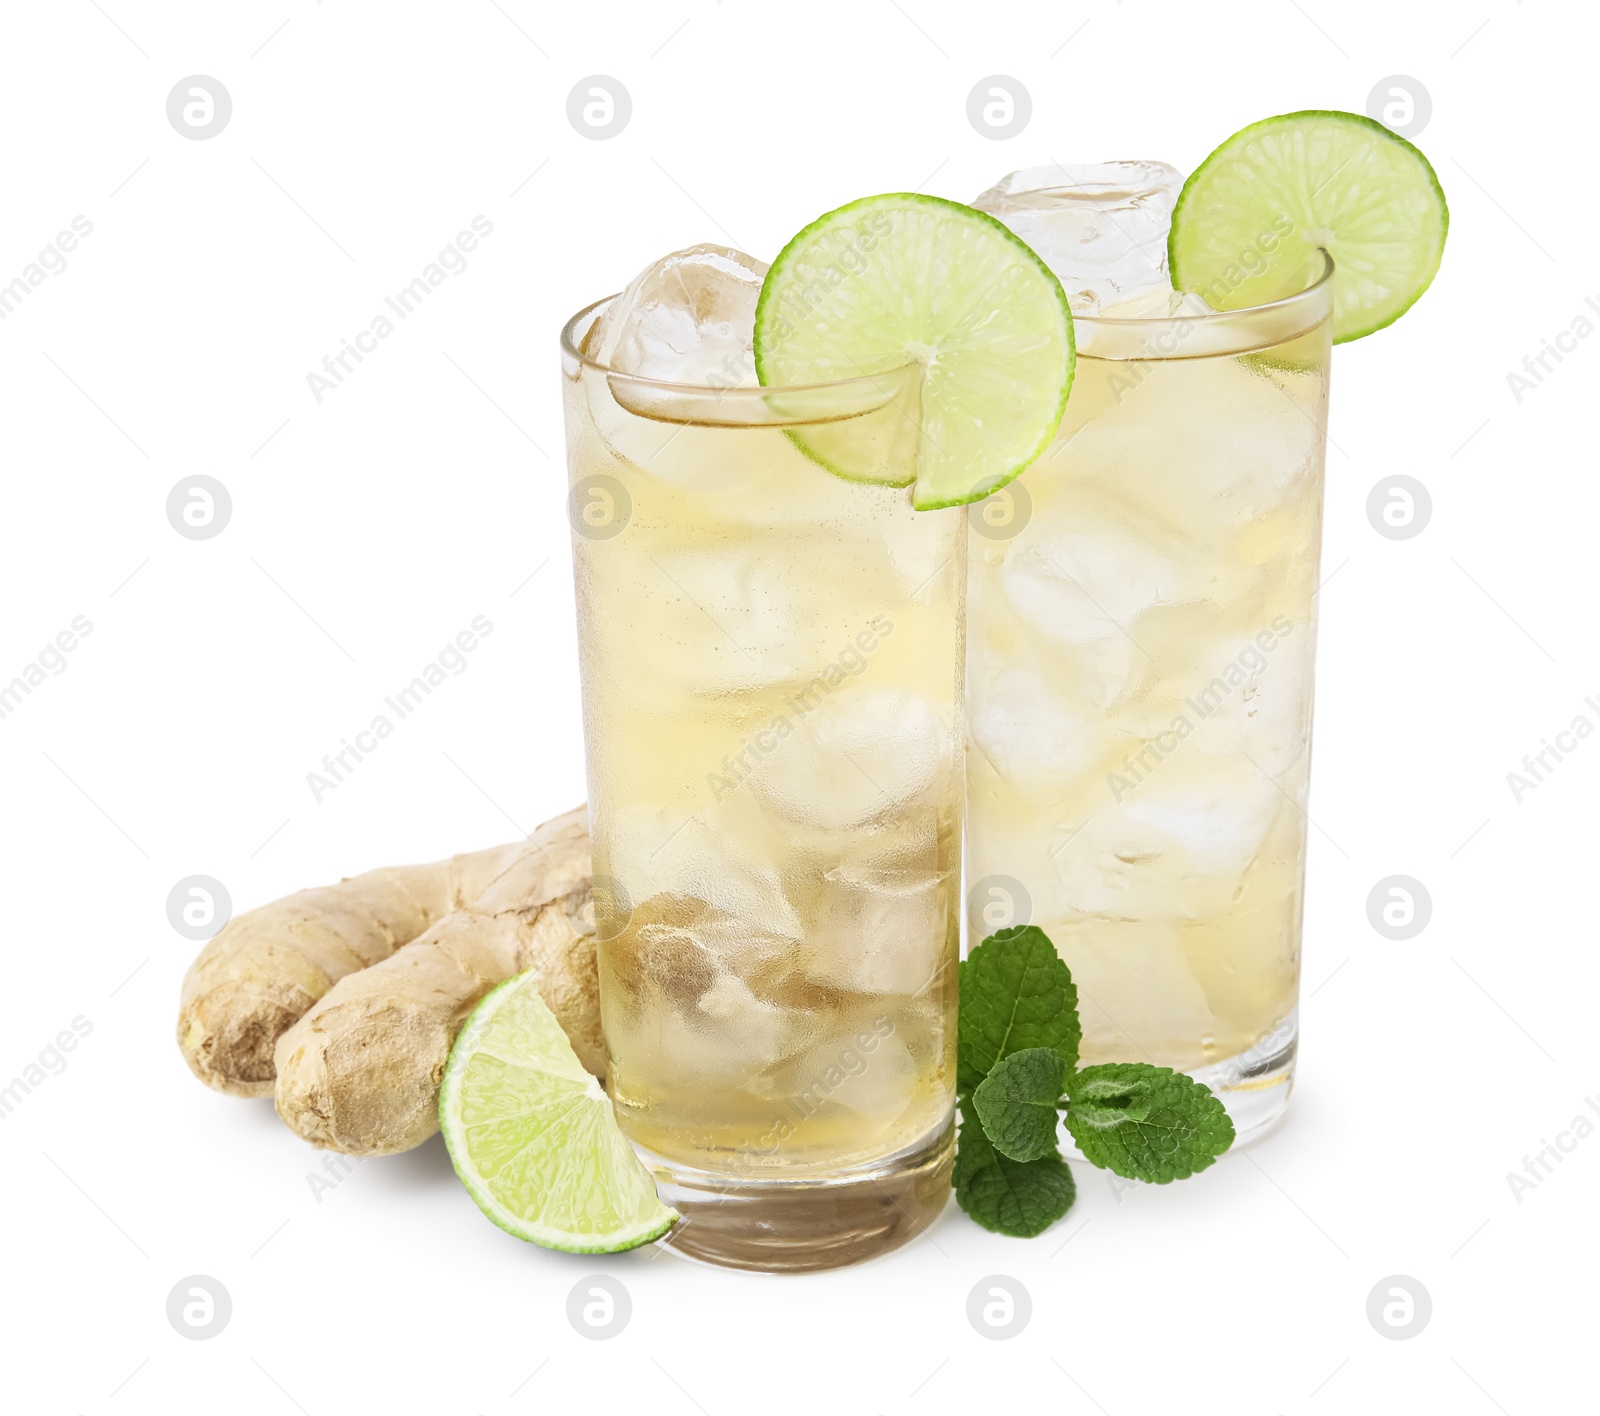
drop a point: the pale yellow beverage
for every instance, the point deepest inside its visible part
(1142, 623)
(772, 677)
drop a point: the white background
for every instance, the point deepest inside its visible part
(369, 529)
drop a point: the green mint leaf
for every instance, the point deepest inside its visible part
(1015, 994)
(1146, 1123)
(1016, 1197)
(1018, 1102)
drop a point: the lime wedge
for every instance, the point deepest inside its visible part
(904, 278)
(1251, 216)
(532, 1136)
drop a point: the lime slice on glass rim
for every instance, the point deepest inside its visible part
(532, 1136)
(905, 278)
(1251, 217)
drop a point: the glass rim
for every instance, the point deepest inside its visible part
(1214, 322)
(1284, 302)
(569, 346)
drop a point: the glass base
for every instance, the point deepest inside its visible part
(799, 1226)
(1255, 1086)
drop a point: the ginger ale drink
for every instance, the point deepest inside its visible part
(772, 680)
(1142, 621)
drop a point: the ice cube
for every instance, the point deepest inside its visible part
(759, 1029)
(1101, 227)
(657, 955)
(876, 931)
(884, 1087)
(1080, 576)
(687, 318)
(1258, 703)
(681, 1013)
(728, 1040)
(1215, 819)
(721, 621)
(676, 947)
(648, 853)
(857, 1067)
(1203, 446)
(1157, 305)
(855, 755)
(1171, 842)
(1029, 730)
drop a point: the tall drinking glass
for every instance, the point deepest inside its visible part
(1141, 633)
(772, 687)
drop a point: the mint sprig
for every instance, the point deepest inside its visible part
(1147, 1123)
(1016, 1197)
(1015, 993)
(1017, 1066)
(1018, 1100)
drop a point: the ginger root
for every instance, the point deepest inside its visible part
(266, 968)
(360, 1072)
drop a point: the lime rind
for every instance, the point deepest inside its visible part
(1385, 225)
(959, 292)
(532, 1136)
